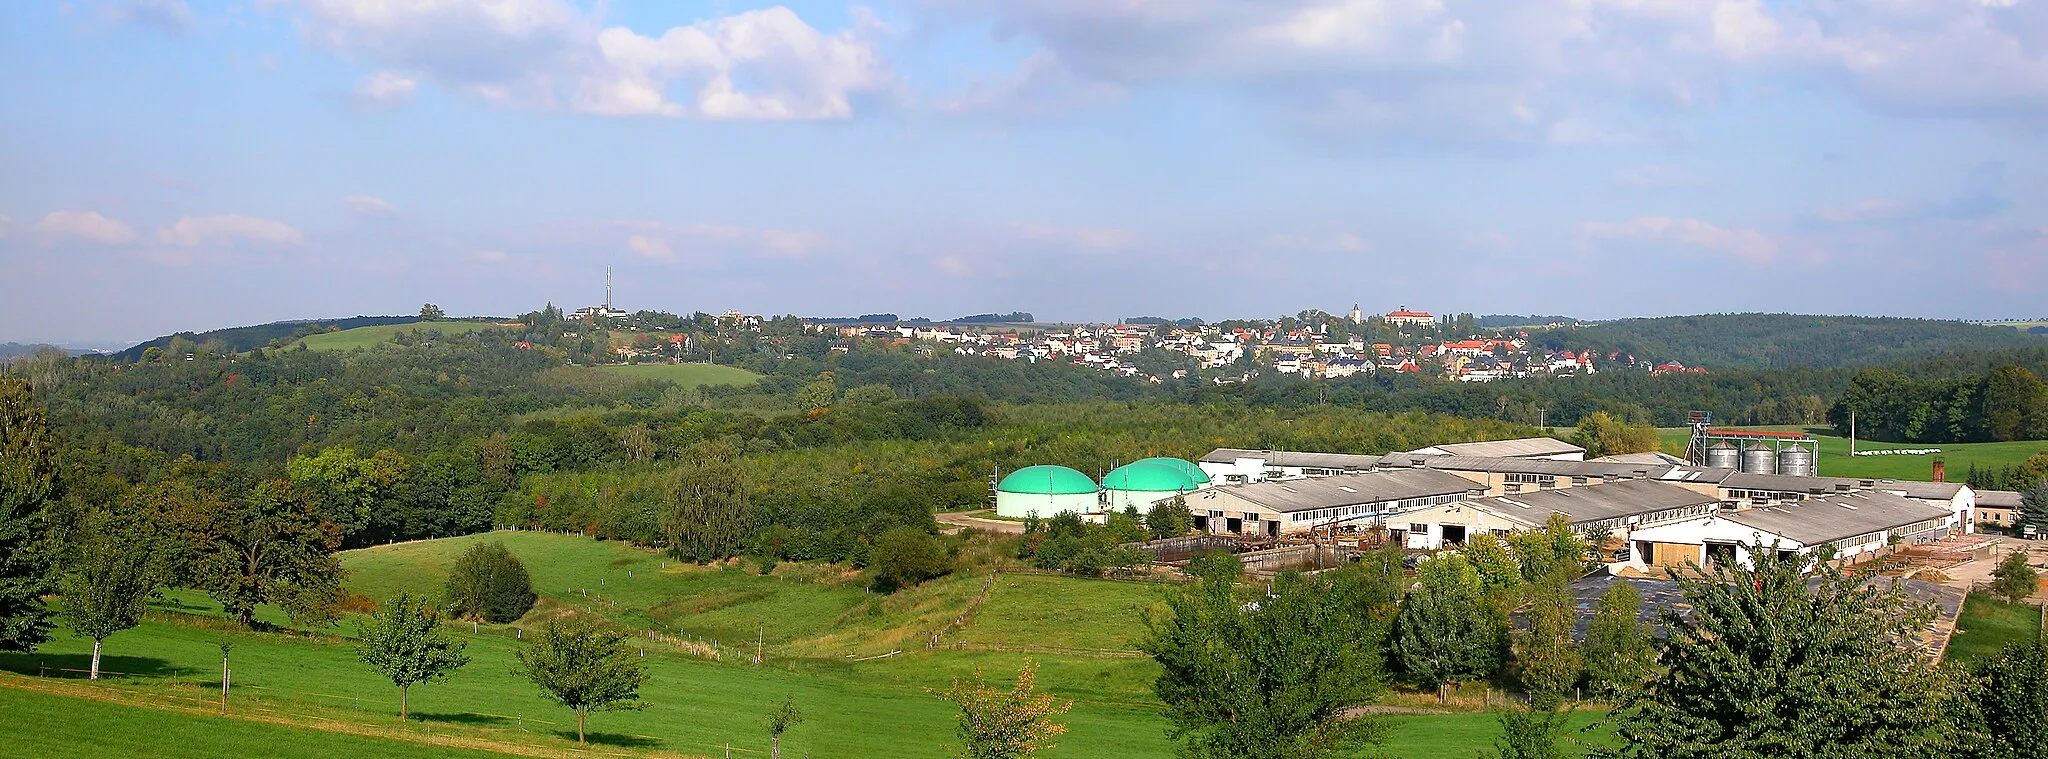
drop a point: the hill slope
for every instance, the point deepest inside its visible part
(1784, 340)
(240, 339)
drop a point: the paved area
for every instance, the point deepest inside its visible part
(954, 520)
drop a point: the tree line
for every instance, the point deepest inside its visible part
(2008, 403)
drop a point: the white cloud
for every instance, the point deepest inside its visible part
(88, 226)
(171, 17)
(1345, 242)
(1748, 245)
(1535, 71)
(650, 247)
(764, 64)
(490, 256)
(384, 89)
(368, 205)
(1099, 239)
(227, 229)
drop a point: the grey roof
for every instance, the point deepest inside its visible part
(1650, 457)
(1998, 499)
(1288, 496)
(1787, 483)
(1527, 446)
(1833, 517)
(1592, 503)
(1933, 491)
(1521, 466)
(1659, 595)
(1294, 458)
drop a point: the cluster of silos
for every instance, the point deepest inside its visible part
(1140, 484)
(1758, 457)
(1045, 491)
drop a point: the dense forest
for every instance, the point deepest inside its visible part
(2007, 403)
(1783, 340)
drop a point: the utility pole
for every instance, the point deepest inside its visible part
(607, 287)
(1852, 430)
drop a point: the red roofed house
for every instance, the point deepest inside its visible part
(1404, 316)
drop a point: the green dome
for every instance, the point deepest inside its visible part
(1046, 479)
(1151, 478)
(1184, 467)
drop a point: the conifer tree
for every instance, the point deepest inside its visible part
(1769, 662)
(28, 484)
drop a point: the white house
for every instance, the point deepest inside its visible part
(1239, 465)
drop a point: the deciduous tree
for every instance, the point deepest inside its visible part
(2014, 579)
(709, 516)
(112, 574)
(271, 546)
(780, 721)
(1269, 676)
(1617, 655)
(406, 643)
(582, 663)
(1446, 631)
(1005, 724)
(1169, 518)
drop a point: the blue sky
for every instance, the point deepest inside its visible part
(188, 164)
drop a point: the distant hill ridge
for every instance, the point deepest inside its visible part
(258, 336)
(1784, 340)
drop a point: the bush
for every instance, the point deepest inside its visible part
(489, 583)
(907, 556)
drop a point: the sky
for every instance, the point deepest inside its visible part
(188, 164)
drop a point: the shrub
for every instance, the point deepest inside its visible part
(489, 583)
(907, 556)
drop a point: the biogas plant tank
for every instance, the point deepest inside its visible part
(1724, 455)
(1760, 459)
(1796, 460)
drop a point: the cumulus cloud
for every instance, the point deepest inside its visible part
(171, 17)
(88, 226)
(1537, 71)
(760, 64)
(368, 205)
(227, 230)
(1748, 245)
(384, 89)
(650, 247)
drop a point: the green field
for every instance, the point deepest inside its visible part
(61, 727)
(365, 337)
(686, 375)
(812, 622)
(1988, 624)
(1835, 460)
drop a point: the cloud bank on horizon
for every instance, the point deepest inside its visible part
(187, 165)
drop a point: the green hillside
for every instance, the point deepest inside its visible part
(686, 375)
(810, 618)
(1784, 340)
(364, 337)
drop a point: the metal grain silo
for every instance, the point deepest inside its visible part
(1759, 458)
(1724, 455)
(1796, 460)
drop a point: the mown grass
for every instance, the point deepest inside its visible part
(58, 727)
(686, 375)
(1835, 460)
(812, 618)
(1988, 624)
(365, 337)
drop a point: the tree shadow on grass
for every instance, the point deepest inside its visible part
(79, 666)
(610, 739)
(461, 718)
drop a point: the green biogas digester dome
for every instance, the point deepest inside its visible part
(1045, 490)
(1142, 484)
(1185, 467)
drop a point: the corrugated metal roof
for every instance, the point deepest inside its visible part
(1833, 517)
(1294, 458)
(1288, 496)
(1522, 466)
(1933, 491)
(1592, 503)
(1998, 499)
(1528, 446)
(1651, 457)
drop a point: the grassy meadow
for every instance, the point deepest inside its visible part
(1988, 624)
(685, 375)
(856, 663)
(366, 337)
(1835, 460)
